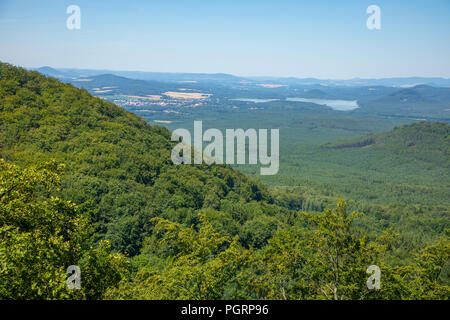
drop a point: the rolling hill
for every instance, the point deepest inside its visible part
(427, 141)
(420, 101)
(180, 231)
(114, 84)
(118, 168)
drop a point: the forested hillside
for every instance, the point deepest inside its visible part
(84, 182)
(427, 141)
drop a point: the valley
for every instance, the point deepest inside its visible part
(105, 173)
(306, 125)
(224, 159)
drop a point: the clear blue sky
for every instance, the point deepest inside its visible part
(322, 38)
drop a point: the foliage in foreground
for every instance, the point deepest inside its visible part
(191, 231)
(324, 259)
(329, 261)
(41, 235)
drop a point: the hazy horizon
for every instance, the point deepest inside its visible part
(323, 40)
(268, 76)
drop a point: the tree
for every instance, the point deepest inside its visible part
(328, 260)
(429, 276)
(198, 264)
(41, 235)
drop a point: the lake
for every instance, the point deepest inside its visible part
(340, 105)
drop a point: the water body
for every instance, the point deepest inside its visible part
(255, 100)
(340, 105)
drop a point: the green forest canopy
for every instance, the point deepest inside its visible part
(85, 182)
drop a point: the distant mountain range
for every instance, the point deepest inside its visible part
(419, 101)
(357, 82)
(139, 75)
(228, 78)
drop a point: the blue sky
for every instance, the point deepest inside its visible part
(322, 38)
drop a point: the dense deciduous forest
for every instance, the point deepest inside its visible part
(84, 182)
